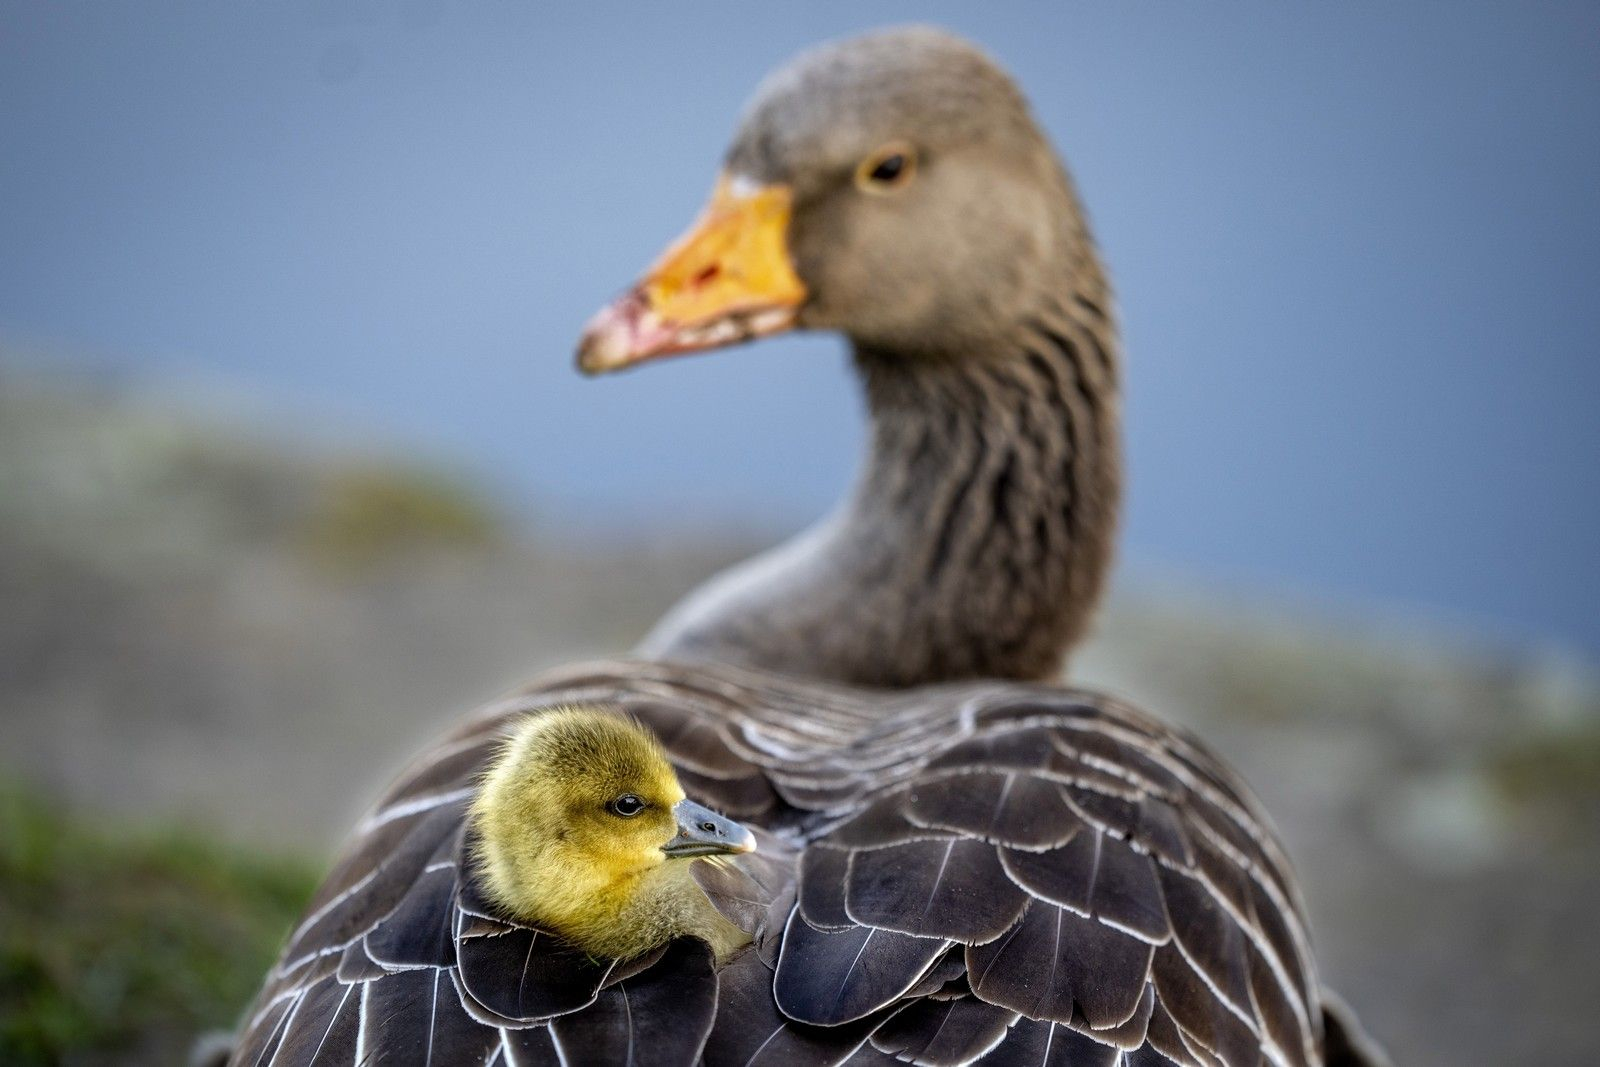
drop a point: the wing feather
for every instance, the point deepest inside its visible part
(377, 876)
(752, 1032)
(1096, 876)
(828, 977)
(882, 822)
(530, 1046)
(527, 975)
(1039, 1043)
(265, 1030)
(1055, 961)
(308, 1026)
(953, 889)
(1210, 940)
(823, 871)
(943, 1033)
(1204, 1018)
(356, 966)
(416, 1017)
(660, 1016)
(1008, 808)
(419, 932)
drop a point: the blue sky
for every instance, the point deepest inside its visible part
(1356, 247)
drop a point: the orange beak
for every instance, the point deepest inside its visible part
(729, 279)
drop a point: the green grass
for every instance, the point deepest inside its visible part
(120, 946)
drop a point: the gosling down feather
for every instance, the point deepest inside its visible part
(956, 861)
(581, 828)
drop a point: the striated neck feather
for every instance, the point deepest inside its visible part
(978, 538)
(977, 541)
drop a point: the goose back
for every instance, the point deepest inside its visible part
(1025, 874)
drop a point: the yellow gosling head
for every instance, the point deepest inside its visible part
(582, 829)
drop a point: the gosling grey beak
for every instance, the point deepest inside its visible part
(702, 832)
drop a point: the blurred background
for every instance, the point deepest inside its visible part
(294, 468)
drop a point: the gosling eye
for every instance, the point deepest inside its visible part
(627, 806)
(888, 169)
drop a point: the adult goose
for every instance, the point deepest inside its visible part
(955, 862)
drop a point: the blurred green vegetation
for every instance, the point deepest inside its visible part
(1555, 772)
(367, 514)
(121, 946)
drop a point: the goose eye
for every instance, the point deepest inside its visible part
(890, 169)
(626, 806)
(887, 169)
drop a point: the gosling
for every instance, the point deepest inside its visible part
(582, 829)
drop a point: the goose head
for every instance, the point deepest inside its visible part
(582, 828)
(893, 187)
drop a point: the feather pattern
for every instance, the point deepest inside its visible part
(1002, 872)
